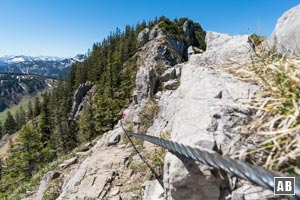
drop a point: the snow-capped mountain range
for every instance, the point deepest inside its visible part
(43, 65)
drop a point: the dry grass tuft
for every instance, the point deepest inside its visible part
(275, 129)
(148, 114)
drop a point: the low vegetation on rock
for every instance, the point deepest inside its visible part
(274, 130)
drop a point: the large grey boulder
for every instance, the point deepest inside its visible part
(146, 80)
(169, 74)
(143, 37)
(113, 137)
(153, 190)
(204, 119)
(153, 33)
(286, 36)
(224, 50)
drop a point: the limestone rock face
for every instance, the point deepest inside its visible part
(158, 50)
(153, 33)
(190, 51)
(163, 122)
(181, 46)
(286, 36)
(169, 74)
(143, 37)
(170, 85)
(79, 95)
(186, 28)
(223, 50)
(202, 113)
(146, 80)
(205, 99)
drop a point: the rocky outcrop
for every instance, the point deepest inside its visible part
(203, 113)
(146, 80)
(100, 172)
(78, 97)
(224, 50)
(180, 46)
(44, 185)
(143, 37)
(286, 36)
(171, 84)
(113, 137)
(158, 53)
(169, 74)
(187, 29)
(174, 45)
(206, 118)
(190, 51)
(153, 33)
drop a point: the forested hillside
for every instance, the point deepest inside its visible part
(51, 130)
(14, 86)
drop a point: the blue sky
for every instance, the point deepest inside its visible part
(69, 27)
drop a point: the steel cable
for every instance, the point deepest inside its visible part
(254, 174)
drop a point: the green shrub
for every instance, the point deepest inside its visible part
(257, 39)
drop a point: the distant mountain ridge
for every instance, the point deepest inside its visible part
(48, 66)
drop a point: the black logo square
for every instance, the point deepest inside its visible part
(284, 185)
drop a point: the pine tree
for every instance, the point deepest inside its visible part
(45, 125)
(25, 158)
(20, 118)
(1, 165)
(29, 111)
(17, 117)
(1, 130)
(37, 107)
(10, 125)
(87, 123)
